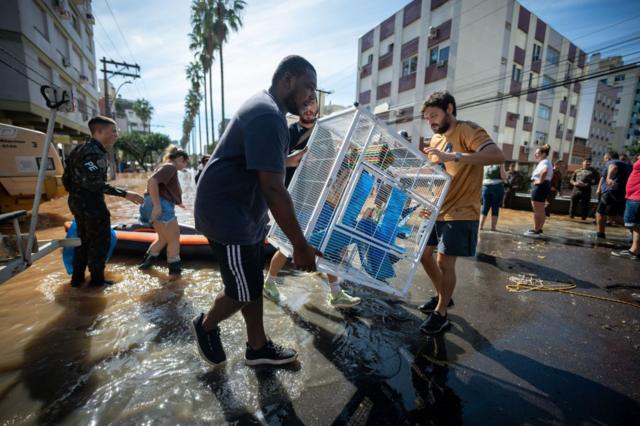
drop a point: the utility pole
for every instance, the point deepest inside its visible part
(106, 72)
(110, 72)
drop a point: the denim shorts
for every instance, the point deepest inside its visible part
(168, 210)
(492, 198)
(632, 214)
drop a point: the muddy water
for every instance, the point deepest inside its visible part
(124, 354)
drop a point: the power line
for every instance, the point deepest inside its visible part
(20, 72)
(17, 59)
(125, 43)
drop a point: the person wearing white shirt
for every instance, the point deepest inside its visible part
(541, 179)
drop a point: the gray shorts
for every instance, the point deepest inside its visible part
(455, 237)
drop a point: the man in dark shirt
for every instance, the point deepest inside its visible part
(582, 180)
(556, 182)
(243, 179)
(514, 183)
(85, 179)
(612, 191)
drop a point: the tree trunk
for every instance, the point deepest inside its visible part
(213, 126)
(199, 130)
(222, 85)
(206, 114)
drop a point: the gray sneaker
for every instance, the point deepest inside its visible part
(628, 254)
(270, 291)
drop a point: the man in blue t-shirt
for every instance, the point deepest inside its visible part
(243, 179)
(611, 190)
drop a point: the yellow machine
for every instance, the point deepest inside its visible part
(20, 157)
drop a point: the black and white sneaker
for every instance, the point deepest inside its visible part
(533, 233)
(434, 324)
(430, 306)
(209, 344)
(271, 354)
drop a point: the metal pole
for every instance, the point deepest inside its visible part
(44, 161)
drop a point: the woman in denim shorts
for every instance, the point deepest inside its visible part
(163, 194)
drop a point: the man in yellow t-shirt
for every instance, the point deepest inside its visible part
(463, 148)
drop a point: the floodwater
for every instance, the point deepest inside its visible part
(124, 354)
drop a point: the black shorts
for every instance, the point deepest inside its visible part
(612, 203)
(241, 268)
(455, 237)
(540, 192)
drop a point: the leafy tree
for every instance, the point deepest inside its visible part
(142, 146)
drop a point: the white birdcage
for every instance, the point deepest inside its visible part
(367, 199)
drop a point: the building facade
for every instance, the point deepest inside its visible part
(626, 121)
(455, 45)
(47, 42)
(595, 121)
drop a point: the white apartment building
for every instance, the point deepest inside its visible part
(595, 121)
(475, 53)
(627, 114)
(51, 42)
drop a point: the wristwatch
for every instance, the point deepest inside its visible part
(457, 157)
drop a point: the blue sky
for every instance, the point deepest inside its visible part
(324, 31)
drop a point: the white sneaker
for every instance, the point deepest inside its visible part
(342, 300)
(270, 291)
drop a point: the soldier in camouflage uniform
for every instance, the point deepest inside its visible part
(85, 179)
(582, 180)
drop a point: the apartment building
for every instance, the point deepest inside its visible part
(476, 53)
(594, 127)
(626, 121)
(48, 42)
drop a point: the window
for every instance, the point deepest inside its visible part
(537, 50)
(547, 82)
(40, 22)
(541, 138)
(439, 55)
(370, 58)
(75, 22)
(390, 48)
(88, 41)
(444, 54)
(409, 65)
(544, 112)
(553, 56)
(619, 77)
(516, 73)
(433, 56)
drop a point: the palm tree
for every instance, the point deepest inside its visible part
(226, 19)
(203, 43)
(144, 110)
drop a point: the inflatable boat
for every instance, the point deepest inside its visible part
(135, 238)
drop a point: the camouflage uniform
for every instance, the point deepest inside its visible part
(581, 196)
(85, 178)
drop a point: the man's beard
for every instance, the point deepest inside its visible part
(306, 121)
(442, 128)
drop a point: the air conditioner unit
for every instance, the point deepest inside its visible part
(83, 78)
(65, 62)
(525, 143)
(90, 18)
(515, 116)
(433, 32)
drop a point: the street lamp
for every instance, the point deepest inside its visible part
(115, 95)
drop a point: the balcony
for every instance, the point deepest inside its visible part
(563, 106)
(383, 91)
(365, 70)
(572, 111)
(385, 60)
(365, 97)
(569, 135)
(407, 82)
(435, 72)
(559, 132)
(512, 120)
(576, 87)
(532, 97)
(516, 87)
(442, 33)
(518, 56)
(536, 66)
(527, 124)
